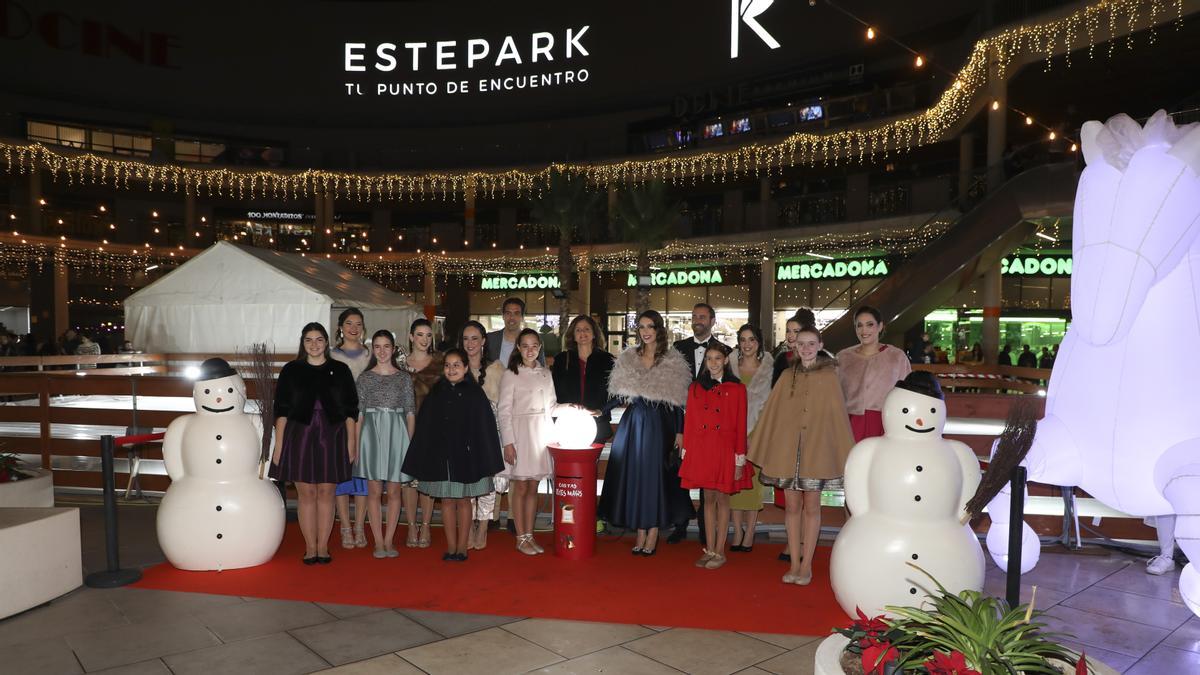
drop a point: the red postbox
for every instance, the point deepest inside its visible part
(575, 501)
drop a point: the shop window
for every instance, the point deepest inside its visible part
(1060, 293)
(792, 294)
(1010, 292)
(831, 294)
(682, 300)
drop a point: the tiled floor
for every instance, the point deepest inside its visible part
(1117, 613)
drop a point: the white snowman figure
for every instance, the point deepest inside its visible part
(217, 514)
(906, 491)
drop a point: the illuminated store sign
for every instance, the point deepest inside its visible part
(833, 269)
(1048, 266)
(519, 282)
(696, 277)
(524, 62)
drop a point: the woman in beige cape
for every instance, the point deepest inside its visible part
(801, 443)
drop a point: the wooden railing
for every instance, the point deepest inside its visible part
(981, 378)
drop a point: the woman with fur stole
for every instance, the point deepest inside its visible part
(651, 380)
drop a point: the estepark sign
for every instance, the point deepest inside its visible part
(422, 67)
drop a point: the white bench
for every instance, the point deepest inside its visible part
(39, 556)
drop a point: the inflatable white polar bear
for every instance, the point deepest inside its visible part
(1121, 411)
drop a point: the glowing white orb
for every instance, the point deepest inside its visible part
(574, 428)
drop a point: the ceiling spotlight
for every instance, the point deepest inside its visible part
(103, 208)
(154, 214)
(42, 202)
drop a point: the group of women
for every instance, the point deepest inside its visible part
(356, 421)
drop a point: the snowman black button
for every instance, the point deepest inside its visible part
(218, 507)
(917, 498)
(219, 438)
(219, 535)
(218, 461)
(919, 467)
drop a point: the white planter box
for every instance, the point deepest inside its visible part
(829, 654)
(39, 555)
(31, 492)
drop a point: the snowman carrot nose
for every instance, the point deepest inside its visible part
(219, 400)
(920, 422)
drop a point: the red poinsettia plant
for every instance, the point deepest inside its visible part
(871, 639)
(9, 470)
(954, 663)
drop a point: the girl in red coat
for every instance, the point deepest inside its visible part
(714, 448)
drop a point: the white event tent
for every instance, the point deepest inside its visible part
(231, 296)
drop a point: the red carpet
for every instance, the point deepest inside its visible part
(613, 586)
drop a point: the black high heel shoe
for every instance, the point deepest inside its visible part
(647, 552)
(310, 560)
(324, 559)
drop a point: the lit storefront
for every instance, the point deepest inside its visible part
(674, 292)
(489, 291)
(288, 230)
(828, 286)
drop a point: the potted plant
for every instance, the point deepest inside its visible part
(23, 485)
(10, 468)
(967, 633)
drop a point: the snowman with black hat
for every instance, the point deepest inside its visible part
(218, 514)
(906, 491)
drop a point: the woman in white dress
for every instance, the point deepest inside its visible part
(527, 406)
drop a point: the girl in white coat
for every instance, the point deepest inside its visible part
(527, 407)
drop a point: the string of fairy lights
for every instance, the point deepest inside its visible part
(1092, 25)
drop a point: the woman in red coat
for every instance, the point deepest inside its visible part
(714, 448)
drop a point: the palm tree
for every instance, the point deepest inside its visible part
(649, 218)
(565, 205)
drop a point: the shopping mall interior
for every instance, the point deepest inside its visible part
(591, 159)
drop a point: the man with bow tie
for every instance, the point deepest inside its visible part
(693, 348)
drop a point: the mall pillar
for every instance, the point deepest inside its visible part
(997, 122)
(614, 228)
(469, 214)
(322, 237)
(430, 290)
(380, 236)
(508, 227)
(766, 211)
(34, 224)
(48, 309)
(329, 204)
(966, 164)
(584, 291)
(766, 296)
(858, 197)
(190, 222)
(991, 315)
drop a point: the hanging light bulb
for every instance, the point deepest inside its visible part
(1053, 135)
(870, 33)
(920, 61)
(995, 105)
(1028, 121)
(1074, 147)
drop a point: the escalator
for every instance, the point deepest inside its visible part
(973, 244)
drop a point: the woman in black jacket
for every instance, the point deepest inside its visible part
(316, 406)
(455, 450)
(581, 372)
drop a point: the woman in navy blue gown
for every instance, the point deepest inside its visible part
(652, 380)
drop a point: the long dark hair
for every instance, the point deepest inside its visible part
(346, 314)
(705, 378)
(484, 361)
(462, 355)
(661, 344)
(308, 328)
(597, 344)
(413, 328)
(391, 338)
(758, 335)
(516, 359)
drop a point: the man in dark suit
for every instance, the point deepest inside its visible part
(501, 343)
(703, 318)
(693, 348)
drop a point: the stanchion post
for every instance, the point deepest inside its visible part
(1016, 522)
(114, 576)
